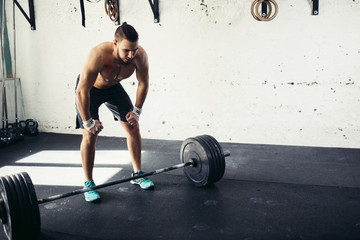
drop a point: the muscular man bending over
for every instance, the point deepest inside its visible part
(99, 82)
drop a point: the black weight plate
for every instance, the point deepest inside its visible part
(21, 230)
(16, 220)
(14, 230)
(221, 158)
(215, 155)
(34, 206)
(8, 206)
(21, 218)
(3, 212)
(211, 158)
(27, 214)
(198, 174)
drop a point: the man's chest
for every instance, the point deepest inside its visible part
(117, 72)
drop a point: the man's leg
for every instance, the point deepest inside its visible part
(87, 149)
(134, 144)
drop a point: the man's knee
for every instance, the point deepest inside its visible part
(132, 130)
(88, 138)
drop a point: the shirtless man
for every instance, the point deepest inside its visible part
(99, 82)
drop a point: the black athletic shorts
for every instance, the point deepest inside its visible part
(115, 98)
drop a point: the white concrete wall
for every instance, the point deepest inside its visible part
(213, 69)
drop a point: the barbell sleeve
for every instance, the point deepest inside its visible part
(226, 154)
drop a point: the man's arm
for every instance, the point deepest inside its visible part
(87, 79)
(142, 75)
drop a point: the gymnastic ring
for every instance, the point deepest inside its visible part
(253, 7)
(268, 18)
(252, 10)
(107, 4)
(112, 10)
(114, 13)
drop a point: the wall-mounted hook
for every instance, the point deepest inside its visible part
(155, 9)
(315, 10)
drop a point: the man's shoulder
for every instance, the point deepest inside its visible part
(102, 48)
(141, 51)
(101, 52)
(141, 56)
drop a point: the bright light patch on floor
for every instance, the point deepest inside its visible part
(63, 168)
(73, 157)
(60, 176)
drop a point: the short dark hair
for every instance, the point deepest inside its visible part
(126, 31)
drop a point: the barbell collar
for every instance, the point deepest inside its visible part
(226, 154)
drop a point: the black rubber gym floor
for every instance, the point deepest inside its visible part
(267, 192)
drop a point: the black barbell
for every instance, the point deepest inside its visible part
(201, 157)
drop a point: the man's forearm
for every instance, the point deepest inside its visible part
(141, 94)
(83, 104)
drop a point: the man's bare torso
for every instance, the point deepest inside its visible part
(113, 71)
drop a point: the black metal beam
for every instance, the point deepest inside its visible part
(32, 14)
(117, 22)
(155, 9)
(315, 10)
(82, 7)
(264, 10)
(30, 19)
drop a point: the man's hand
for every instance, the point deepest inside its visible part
(132, 118)
(97, 128)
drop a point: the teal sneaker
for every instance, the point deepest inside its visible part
(143, 182)
(91, 196)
